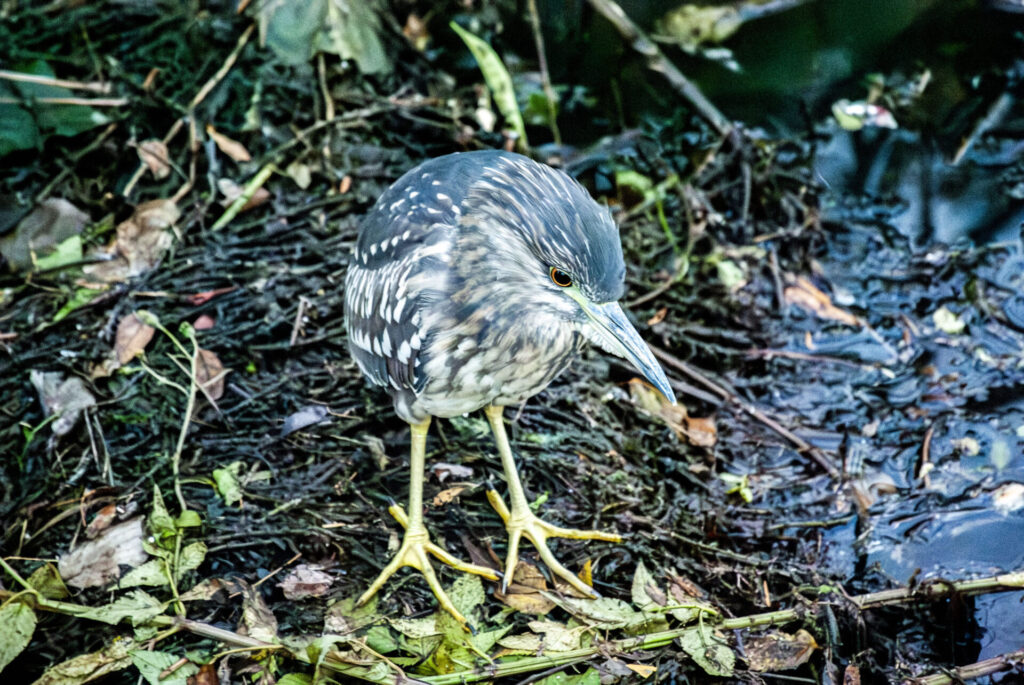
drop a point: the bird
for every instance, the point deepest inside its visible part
(476, 279)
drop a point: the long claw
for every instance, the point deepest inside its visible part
(521, 522)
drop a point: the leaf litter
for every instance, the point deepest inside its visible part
(843, 370)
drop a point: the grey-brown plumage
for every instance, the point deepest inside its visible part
(449, 300)
(476, 279)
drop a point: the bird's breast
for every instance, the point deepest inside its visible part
(480, 362)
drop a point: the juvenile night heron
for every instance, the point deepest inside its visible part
(477, 278)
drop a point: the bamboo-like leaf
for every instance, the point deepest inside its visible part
(498, 80)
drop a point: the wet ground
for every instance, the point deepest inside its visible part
(849, 364)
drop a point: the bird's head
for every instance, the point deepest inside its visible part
(549, 247)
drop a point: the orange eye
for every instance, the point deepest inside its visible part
(560, 278)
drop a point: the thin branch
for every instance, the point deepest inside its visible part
(656, 61)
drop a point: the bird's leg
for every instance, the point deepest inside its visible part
(521, 522)
(416, 544)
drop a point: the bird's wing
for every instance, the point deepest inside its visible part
(388, 284)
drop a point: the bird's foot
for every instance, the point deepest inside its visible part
(416, 545)
(523, 523)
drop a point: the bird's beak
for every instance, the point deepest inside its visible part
(618, 336)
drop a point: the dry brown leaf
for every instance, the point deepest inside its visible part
(131, 339)
(416, 32)
(306, 580)
(141, 242)
(779, 651)
(98, 561)
(210, 374)
(445, 496)
(524, 592)
(156, 157)
(806, 295)
(207, 675)
(851, 676)
(643, 670)
(104, 517)
(232, 148)
(697, 431)
(658, 317)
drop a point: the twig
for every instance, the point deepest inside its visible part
(815, 453)
(56, 82)
(78, 102)
(545, 76)
(997, 664)
(656, 61)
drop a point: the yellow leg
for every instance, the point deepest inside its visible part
(521, 522)
(416, 544)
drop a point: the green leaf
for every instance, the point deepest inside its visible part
(606, 612)
(61, 120)
(69, 251)
(80, 298)
(643, 586)
(379, 639)
(709, 651)
(295, 679)
(152, 573)
(467, 593)
(19, 131)
(497, 78)
(161, 525)
(188, 519)
(152, 664)
(47, 581)
(137, 606)
(227, 483)
(591, 677)
(17, 623)
(190, 558)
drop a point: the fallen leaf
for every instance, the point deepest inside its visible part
(709, 650)
(258, 621)
(778, 651)
(97, 562)
(104, 517)
(204, 322)
(309, 415)
(658, 317)
(525, 591)
(808, 296)
(232, 148)
(65, 398)
(210, 374)
(48, 225)
(643, 670)
(948, 322)
(141, 242)
(300, 173)
(306, 580)
(231, 191)
(697, 431)
(449, 494)
(131, 338)
(154, 154)
(443, 471)
(416, 32)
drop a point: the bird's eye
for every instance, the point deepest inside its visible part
(560, 278)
